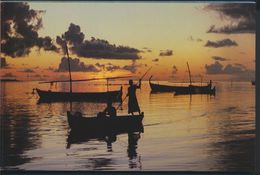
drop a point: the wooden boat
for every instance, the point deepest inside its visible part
(191, 89)
(54, 96)
(181, 90)
(164, 88)
(105, 125)
(196, 90)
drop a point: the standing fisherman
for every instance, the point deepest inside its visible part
(132, 100)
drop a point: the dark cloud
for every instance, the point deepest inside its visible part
(132, 67)
(218, 58)
(112, 68)
(218, 68)
(166, 52)
(190, 38)
(101, 65)
(74, 35)
(19, 29)
(215, 68)
(233, 69)
(155, 60)
(95, 48)
(221, 43)
(241, 16)
(76, 66)
(8, 75)
(3, 63)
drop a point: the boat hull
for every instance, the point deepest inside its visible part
(196, 90)
(51, 96)
(164, 88)
(105, 125)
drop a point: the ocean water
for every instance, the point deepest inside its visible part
(181, 133)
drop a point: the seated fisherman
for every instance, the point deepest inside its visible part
(110, 110)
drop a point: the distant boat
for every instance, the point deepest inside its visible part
(54, 96)
(104, 124)
(253, 83)
(8, 80)
(179, 90)
(162, 88)
(196, 90)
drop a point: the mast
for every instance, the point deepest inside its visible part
(66, 48)
(189, 72)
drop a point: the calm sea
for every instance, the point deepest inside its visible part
(191, 133)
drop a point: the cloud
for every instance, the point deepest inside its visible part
(221, 43)
(166, 52)
(8, 75)
(112, 68)
(76, 66)
(147, 49)
(155, 60)
(95, 48)
(3, 63)
(215, 68)
(218, 68)
(240, 15)
(190, 38)
(218, 58)
(132, 67)
(19, 30)
(233, 69)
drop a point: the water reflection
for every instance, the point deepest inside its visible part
(134, 161)
(194, 133)
(104, 162)
(18, 131)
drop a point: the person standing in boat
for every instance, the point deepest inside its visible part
(132, 100)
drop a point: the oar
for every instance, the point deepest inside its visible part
(126, 95)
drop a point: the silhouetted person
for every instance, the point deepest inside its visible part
(110, 110)
(132, 100)
(210, 83)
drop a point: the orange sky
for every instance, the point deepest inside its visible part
(180, 27)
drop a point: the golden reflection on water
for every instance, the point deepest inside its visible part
(197, 132)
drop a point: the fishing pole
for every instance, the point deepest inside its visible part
(139, 81)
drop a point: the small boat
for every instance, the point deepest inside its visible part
(54, 96)
(105, 125)
(196, 90)
(164, 88)
(181, 90)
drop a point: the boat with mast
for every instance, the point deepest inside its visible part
(191, 89)
(56, 96)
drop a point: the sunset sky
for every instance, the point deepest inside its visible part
(218, 40)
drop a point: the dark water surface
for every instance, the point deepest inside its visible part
(191, 133)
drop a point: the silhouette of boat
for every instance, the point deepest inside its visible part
(54, 96)
(253, 83)
(163, 88)
(196, 90)
(182, 90)
(105, 125)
